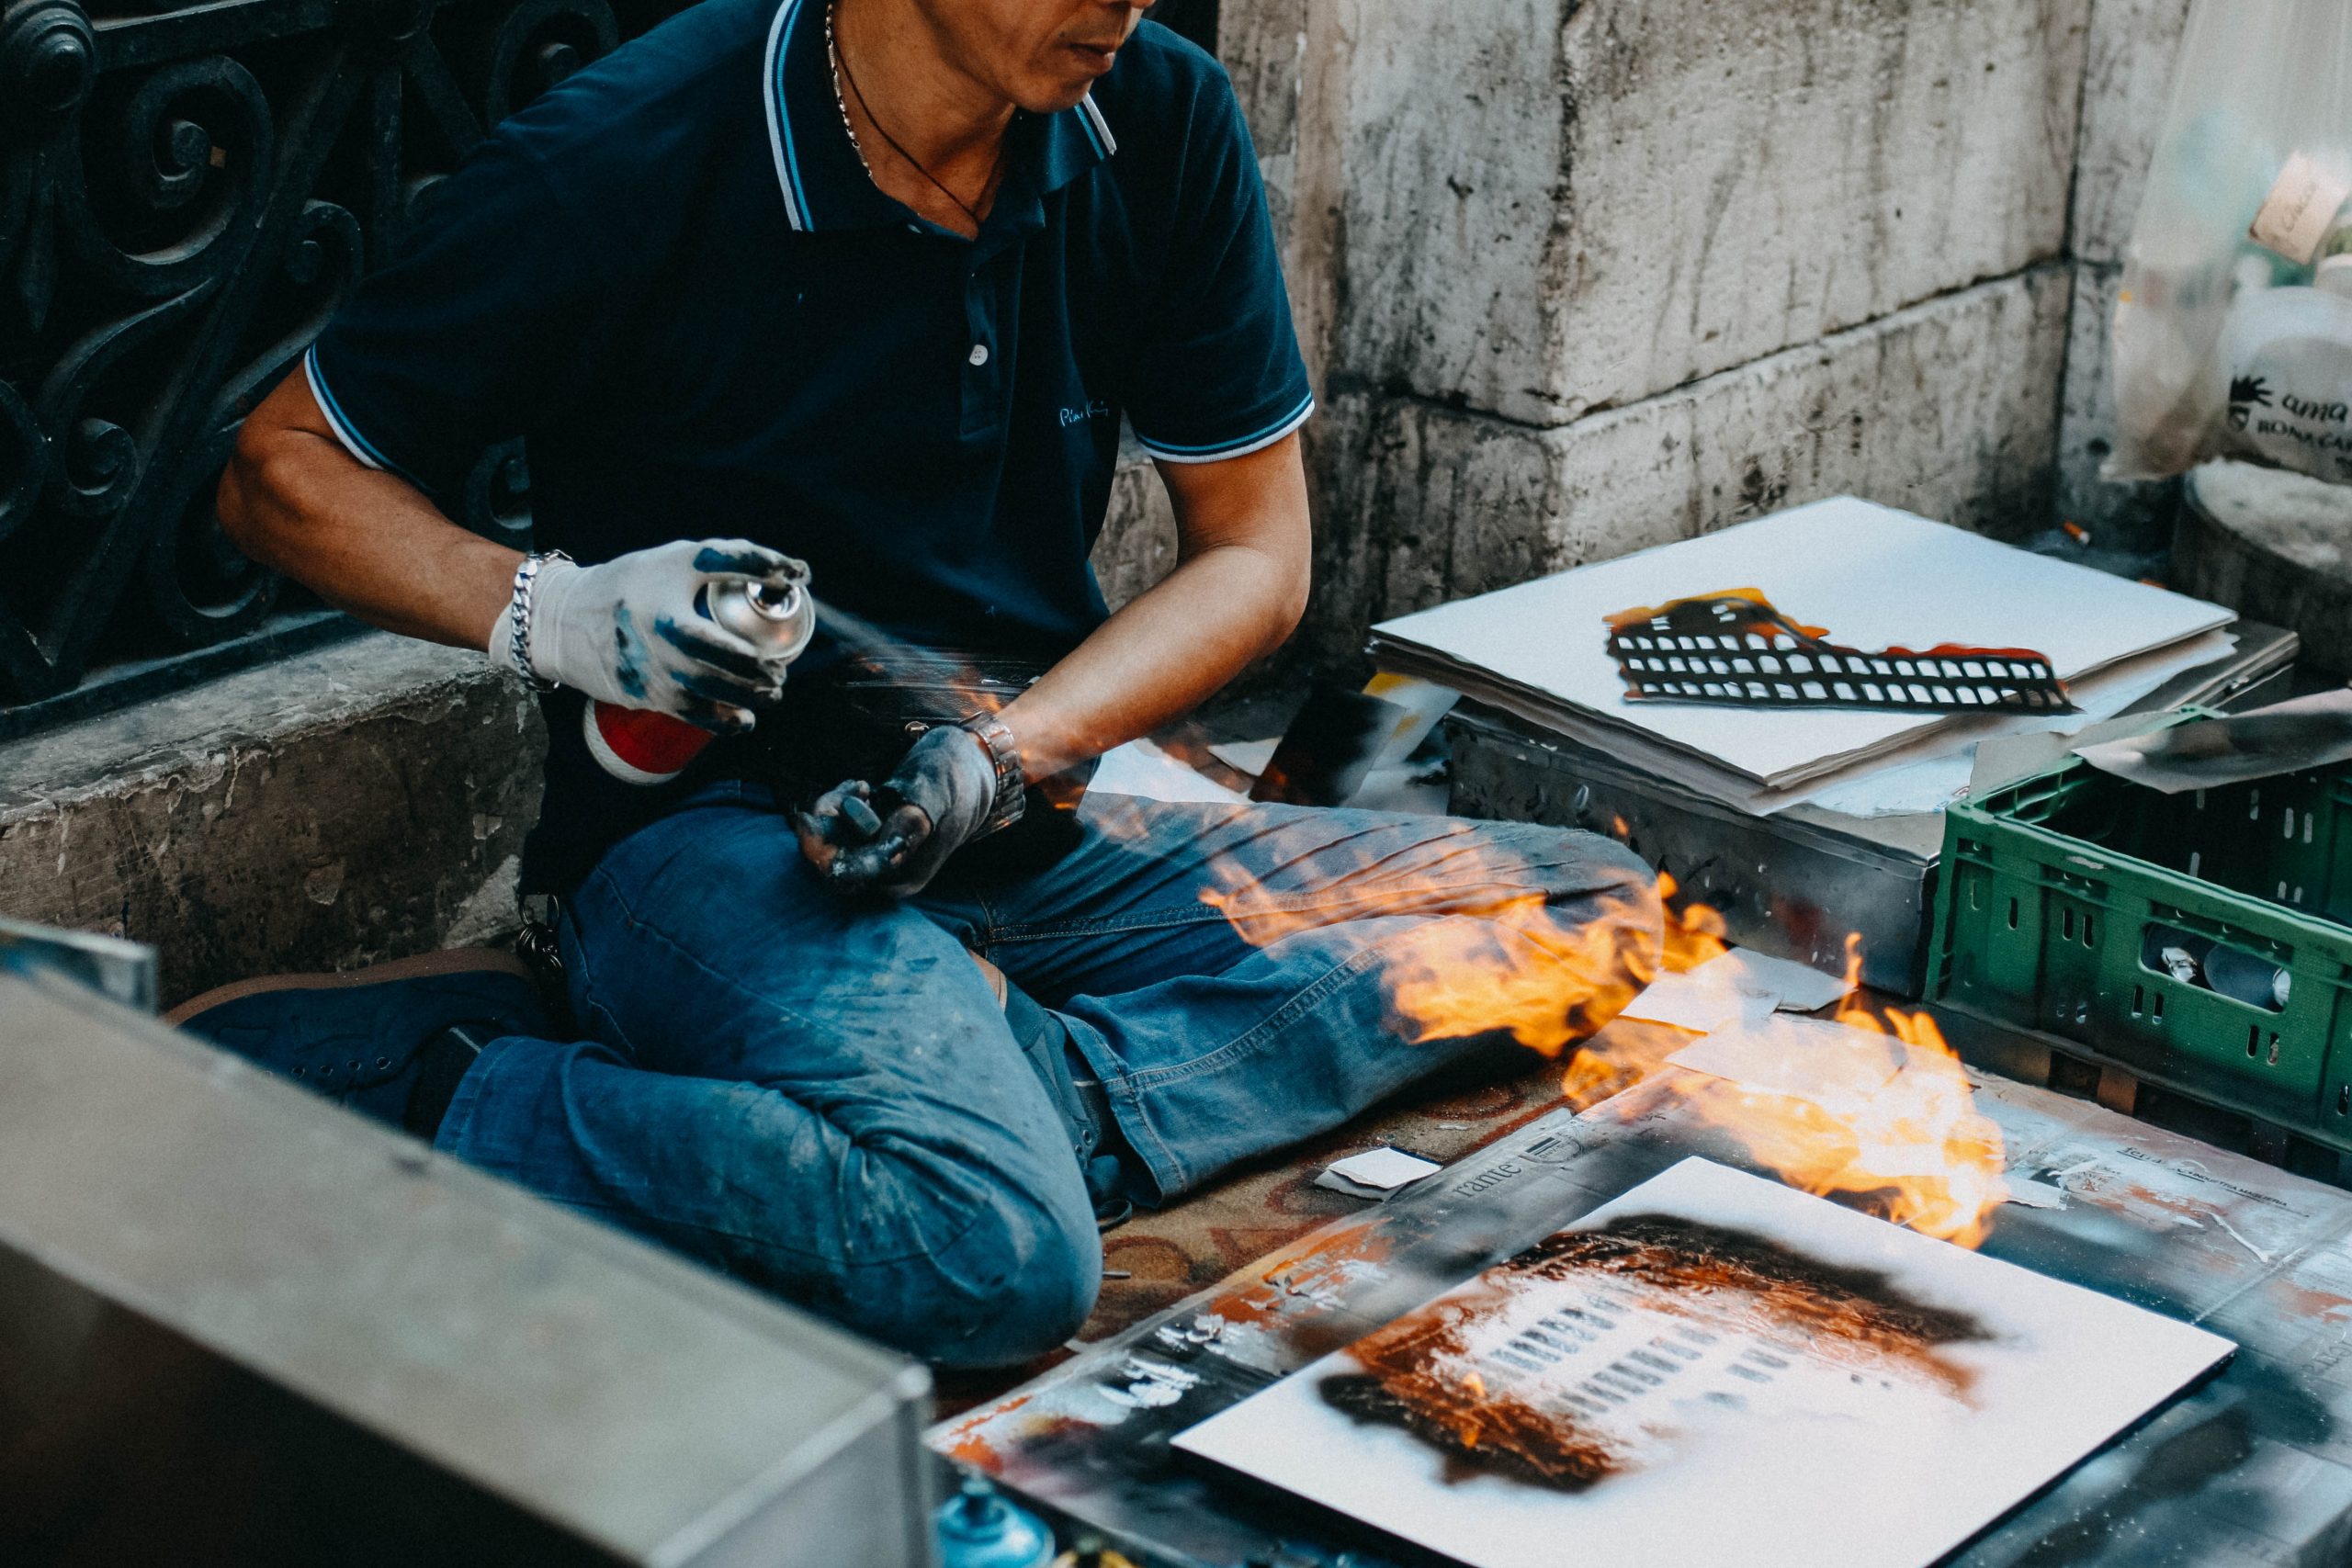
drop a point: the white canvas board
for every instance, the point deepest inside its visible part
(1715, 1369)
(1872, 576)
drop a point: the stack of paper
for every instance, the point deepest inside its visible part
(1875, 578)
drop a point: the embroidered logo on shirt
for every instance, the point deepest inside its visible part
(1097, 409)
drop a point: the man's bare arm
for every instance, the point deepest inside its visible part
(627, 631)
(1242, 571)
(365, 541)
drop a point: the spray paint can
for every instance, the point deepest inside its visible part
(777, 617)
(980, 1528)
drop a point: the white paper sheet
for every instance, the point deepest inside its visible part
(1383, 1170)
(1735, 985)
(1246, 756)
(1142, 769)
(1713, 1368)
(1873, 576)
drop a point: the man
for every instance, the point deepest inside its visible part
(873, 284)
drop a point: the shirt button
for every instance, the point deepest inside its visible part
(979, 355)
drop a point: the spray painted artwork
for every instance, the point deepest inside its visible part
(1713, 1368)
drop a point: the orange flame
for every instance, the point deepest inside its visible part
(1486, 954)
(1896, 1126)
(1890, 1117)
(1694, 932)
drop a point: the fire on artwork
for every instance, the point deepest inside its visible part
(1713, 1368)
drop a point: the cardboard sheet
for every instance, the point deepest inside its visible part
(1713, 1368)
(1879, 576)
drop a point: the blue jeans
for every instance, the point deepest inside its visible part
(822, 1097)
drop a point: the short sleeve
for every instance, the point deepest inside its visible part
(476, 332)
(1217, 372)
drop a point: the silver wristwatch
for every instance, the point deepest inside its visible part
(1012, 788)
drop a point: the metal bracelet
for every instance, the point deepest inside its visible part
(526, 577)
(1012, 785)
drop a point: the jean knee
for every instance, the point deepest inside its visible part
(1572, 863)
(1045, 1295)
(1600, 887)
(1011, 1272)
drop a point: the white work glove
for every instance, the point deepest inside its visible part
(627, 631)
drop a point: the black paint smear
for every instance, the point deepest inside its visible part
(1674, 1253)
(1519, 1441)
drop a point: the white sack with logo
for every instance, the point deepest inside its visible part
(2233, 333)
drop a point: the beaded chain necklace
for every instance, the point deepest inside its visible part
(841, 74)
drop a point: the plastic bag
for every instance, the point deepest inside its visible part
(2232, 332)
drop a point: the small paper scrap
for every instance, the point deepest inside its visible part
(1731, 986)
(1375, 1173)
(2034, 1195)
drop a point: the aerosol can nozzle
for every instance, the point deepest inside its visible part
(776, 616)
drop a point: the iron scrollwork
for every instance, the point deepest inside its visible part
(186, 190)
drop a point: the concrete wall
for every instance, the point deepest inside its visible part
(2127, 86)
(1581, 276)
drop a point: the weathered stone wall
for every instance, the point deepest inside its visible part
(1572, 206)
(362, 802)
(1946, 408)
(2135, 45)
(1582, 276)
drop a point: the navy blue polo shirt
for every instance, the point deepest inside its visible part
(672, 276)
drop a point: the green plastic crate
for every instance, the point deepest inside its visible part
(2150, 931)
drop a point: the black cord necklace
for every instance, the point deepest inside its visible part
(841, 74)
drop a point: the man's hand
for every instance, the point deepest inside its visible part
(629, 631)
(893, 840)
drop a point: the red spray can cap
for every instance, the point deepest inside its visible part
(640, 747)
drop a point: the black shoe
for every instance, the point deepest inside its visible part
(389, 1042)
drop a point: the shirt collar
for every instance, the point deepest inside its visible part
(825, 185)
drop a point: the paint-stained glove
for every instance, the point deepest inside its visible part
(894, 840)
(628, 632)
